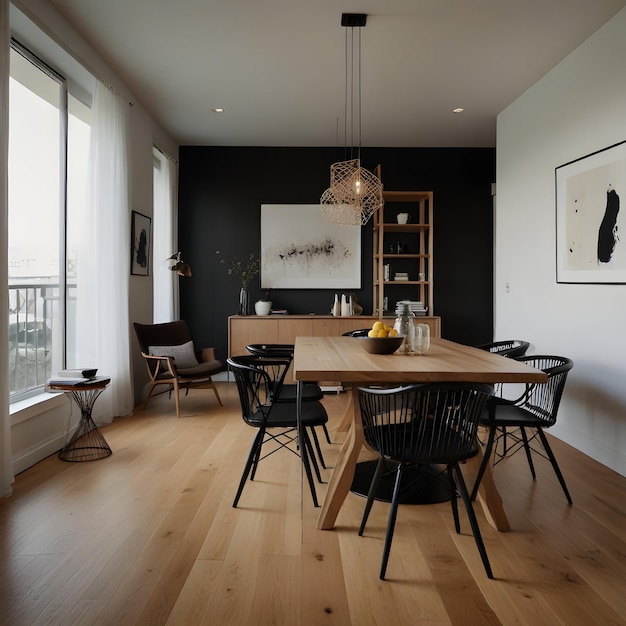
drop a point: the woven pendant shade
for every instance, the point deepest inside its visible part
(353, 196)
(354, 193)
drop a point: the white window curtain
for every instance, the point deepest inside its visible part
(165, 282)
(6, 468)
(102, 325)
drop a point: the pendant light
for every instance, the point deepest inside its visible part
(354, 193)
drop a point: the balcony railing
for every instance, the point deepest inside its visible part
(33, 310)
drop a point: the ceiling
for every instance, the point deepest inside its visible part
(277, 67)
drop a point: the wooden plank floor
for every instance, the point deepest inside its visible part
(149, 536)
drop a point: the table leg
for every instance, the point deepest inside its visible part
(346, 420)
(343, 474)
(488, 494)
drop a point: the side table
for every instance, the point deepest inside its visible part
(87, 442)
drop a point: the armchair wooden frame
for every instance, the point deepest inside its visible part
(162, 369)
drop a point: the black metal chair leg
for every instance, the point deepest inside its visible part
(254, 450)
(391, 523)
(483, 465)
(257, 456)
(372, 493)
(307, 468)
(453, 502)
(326, 433)
(555, 465)
(316, 441)
(311, 457)
(472, 519)
(528, 453)
(503, 436)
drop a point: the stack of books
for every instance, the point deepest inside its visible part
(401, 276)
(417, 307)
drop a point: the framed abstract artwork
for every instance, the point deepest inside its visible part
(302, 250)
(140, 244)
(589, 222)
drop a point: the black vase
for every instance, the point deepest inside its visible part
(243, 301)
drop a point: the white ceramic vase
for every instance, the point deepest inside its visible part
(262, 307)
(336, 310)
(345, 306)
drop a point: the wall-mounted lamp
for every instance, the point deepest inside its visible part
(180, 267)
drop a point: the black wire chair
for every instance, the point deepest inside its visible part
(311, 392)
(535, 410)
(360, 332)
(256, 379)
(415, 425)
(513, 348)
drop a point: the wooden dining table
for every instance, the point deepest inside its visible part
(344, 359)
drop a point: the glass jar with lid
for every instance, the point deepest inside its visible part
(405, 326)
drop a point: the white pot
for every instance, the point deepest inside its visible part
(262, 307)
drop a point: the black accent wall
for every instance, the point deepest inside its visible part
(221, 190)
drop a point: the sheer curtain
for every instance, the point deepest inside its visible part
(165, 282)
(102, 325)
(6, 469)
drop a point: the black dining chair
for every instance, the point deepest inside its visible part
(359, 332)
(433, 423)
(535, 410)
(311, 392)
(258, 384)
(513, 348)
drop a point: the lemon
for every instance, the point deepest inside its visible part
(383, 333)
(372, 333)
(393, 332)
(377, 326)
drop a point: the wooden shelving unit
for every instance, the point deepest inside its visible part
(405, 248)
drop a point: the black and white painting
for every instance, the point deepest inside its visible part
(590, 228)
(302, 250)
(140, 244)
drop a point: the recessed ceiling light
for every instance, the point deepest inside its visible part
(458, 110)
(218, 110)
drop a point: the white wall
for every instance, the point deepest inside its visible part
(39, 429)
(579, 107)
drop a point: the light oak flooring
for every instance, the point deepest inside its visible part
(149, 536)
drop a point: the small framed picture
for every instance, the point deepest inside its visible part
(140, 244)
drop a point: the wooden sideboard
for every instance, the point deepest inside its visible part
(244, 330)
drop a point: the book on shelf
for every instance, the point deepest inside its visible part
(415, 306)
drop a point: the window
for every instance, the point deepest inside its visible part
(48, 156)
(165, 282)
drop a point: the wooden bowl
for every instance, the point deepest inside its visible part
(381, 345)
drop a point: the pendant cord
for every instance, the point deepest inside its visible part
(345, 98)
(359, 88)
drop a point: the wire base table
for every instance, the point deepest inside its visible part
(87, 442)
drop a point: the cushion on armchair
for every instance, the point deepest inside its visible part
(183, 355)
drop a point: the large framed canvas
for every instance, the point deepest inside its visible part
(140, 244)
(302, 250)
(588, 218)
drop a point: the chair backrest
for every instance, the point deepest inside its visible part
(513, 348)
(271, 349)
(166, 334)
(361, 332)
(258, 379)
(543, 399)
(429, 423)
